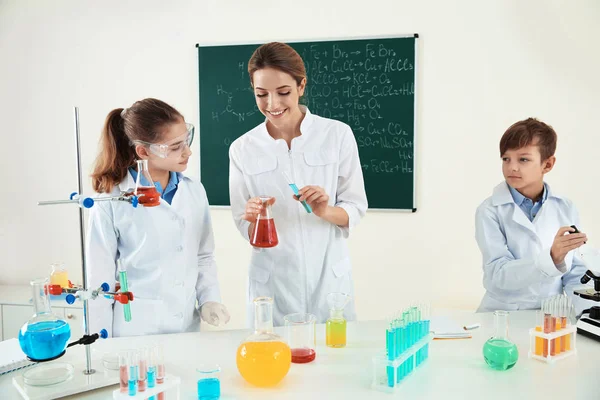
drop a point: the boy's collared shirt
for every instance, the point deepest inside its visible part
(530, 208)
(168, 192)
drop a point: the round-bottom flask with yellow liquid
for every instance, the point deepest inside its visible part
(263, 359)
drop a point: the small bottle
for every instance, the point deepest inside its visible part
(59, 275)
(499, 352)
(336, 323)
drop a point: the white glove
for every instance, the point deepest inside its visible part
(214, 313)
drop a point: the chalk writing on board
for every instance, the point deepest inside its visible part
(359, 87)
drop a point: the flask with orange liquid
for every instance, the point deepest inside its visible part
(144, 186)
(265, 234)
(263, 359)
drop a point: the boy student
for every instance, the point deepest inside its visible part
(523, 230)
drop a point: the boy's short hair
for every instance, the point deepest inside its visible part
(523, 133)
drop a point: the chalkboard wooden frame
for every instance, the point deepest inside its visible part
(353, 38)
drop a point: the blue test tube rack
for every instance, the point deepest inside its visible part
(407, 347)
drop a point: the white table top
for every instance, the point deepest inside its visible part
(455, 368)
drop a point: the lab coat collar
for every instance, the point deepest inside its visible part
(304, 125)
(502, 195)
(128, 184)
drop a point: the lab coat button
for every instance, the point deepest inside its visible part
(178, 315)
(179, 248)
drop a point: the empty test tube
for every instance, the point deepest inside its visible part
(552, 324)
(390, 342)
(539, 323)
(563, 323)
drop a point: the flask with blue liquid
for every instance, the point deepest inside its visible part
(44, 337)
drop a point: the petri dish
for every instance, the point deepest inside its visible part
(111, 361)
(48, 374)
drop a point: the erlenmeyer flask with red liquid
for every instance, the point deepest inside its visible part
(265, 234)
(144, 186)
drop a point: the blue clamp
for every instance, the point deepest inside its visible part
(105, 287)
(103, 334)
(88, 202)
(70, 298)
(73, 195)
(134, 201)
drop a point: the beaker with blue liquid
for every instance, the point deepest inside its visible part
(45, 336)
(209, 385)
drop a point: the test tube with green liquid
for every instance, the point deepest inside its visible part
(124, 288)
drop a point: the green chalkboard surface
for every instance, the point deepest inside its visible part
(367, 83)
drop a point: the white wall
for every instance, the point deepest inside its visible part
(483, 65)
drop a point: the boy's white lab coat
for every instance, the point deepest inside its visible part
(167, 251)
(518, 271)
(312, 258)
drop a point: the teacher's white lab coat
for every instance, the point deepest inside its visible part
(167, 251)
(312, 257)
(518, 271)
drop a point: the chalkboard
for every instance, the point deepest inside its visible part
(367, 83)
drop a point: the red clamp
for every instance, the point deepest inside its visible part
(124, 298)
(55, 290)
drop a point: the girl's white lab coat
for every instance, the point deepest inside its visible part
(312, 258)
(518, 271)
(168, 253)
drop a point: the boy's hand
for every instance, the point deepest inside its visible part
(564, 243)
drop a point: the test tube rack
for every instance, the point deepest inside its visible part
(170, 382)
(538, 340)
(388, 374)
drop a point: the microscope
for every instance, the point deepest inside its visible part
(589, 323)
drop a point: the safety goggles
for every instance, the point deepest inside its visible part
(175, 147)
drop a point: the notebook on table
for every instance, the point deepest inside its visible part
(12, 357)
(445, 328)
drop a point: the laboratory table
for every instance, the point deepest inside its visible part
(455, 368)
